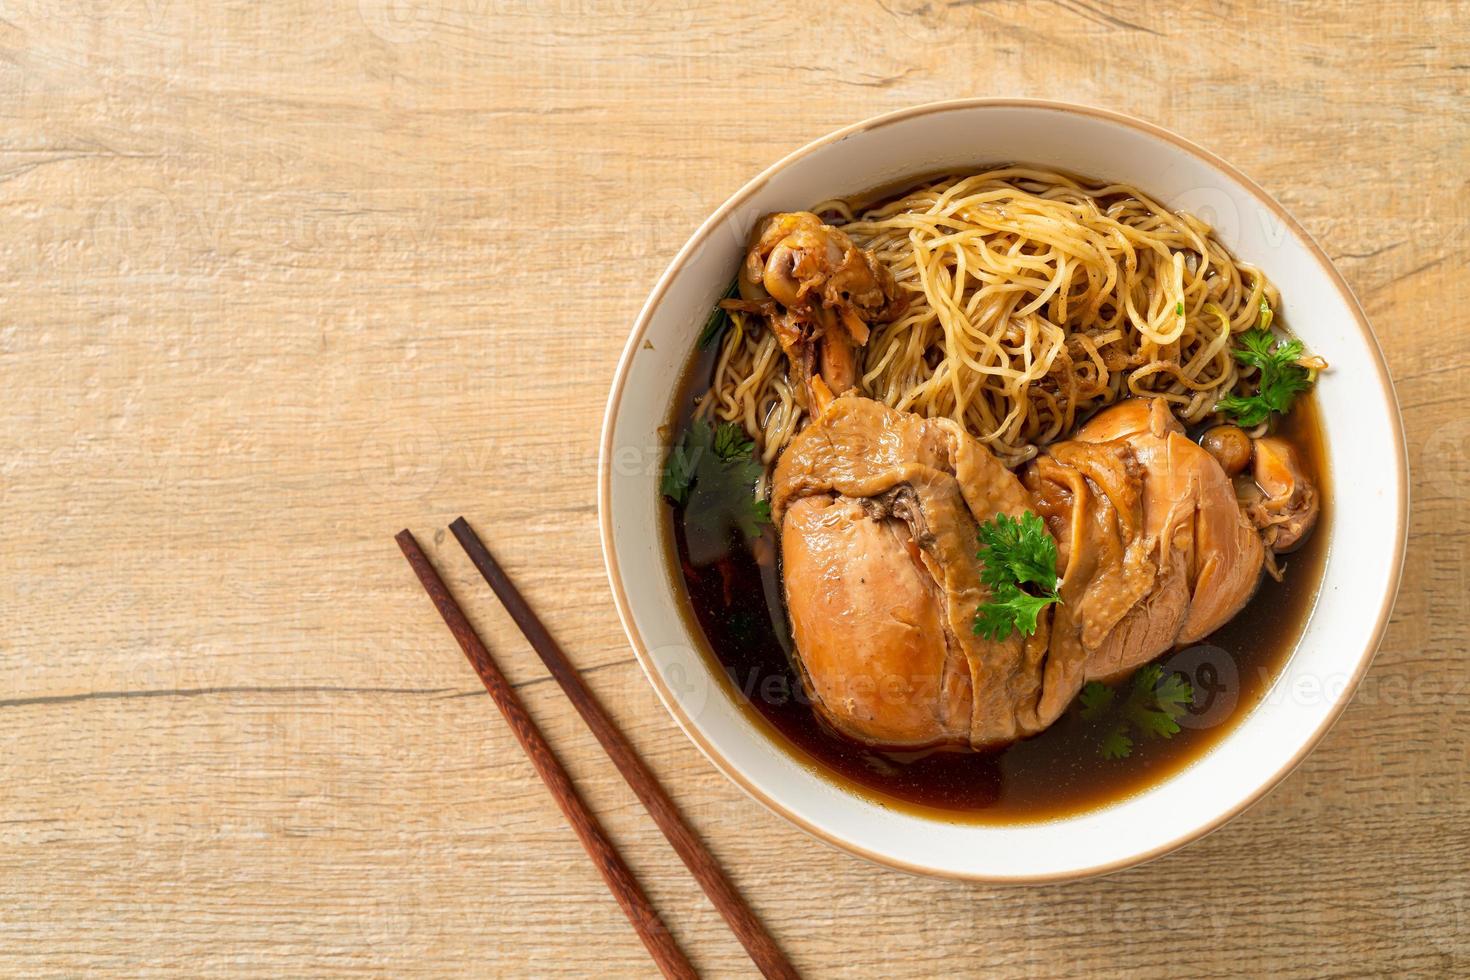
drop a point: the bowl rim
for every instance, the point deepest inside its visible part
(706, 228)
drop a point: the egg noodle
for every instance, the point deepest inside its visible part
(1035, 297)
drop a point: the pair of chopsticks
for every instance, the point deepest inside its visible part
(615, 872)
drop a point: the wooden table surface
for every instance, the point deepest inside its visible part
(277, 279)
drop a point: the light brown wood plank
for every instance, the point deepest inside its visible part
(277, 279)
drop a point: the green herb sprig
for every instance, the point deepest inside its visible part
(718, 463)
(1280, 378)
(1152, 708)
(1016, 553)
(714, 324)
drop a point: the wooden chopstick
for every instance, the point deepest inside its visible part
(747, 928)
(625, 888)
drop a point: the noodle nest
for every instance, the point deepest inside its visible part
(1035, 298)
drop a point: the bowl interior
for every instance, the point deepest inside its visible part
(1361, 431)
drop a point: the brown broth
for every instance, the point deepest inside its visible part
(735, 599)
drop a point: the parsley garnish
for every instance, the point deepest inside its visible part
(731, 442)
(1280, 378)
(1010, 609)
(718, 317)
(680, 467)
(715, 468)
(1154, 705)
(1015, 553)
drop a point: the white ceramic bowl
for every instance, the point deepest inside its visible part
(1364, 444)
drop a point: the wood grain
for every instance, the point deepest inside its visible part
(652, 932)
(278, 278)
(764, 953)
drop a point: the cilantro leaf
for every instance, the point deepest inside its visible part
(1174, 695)
(1248, 411)
(1145, 677)
(1010, 609)
(1018, 551)
(1155, 724)
(1116, 744)
(683, 462)
(1015, 552)
(750, 519)
(1154, 702)
(1152, 709)
(713, 472)
(731, 442)
(714, 325)
(1279, 377)
(1096, 700)
(993, 622)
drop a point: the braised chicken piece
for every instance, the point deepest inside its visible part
(819, 292)
(1157, 551)
(1279, 499)
(878, 512)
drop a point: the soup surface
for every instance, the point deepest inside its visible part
(734, 592)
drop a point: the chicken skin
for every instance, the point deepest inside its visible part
(819, 292)
(879, 511)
